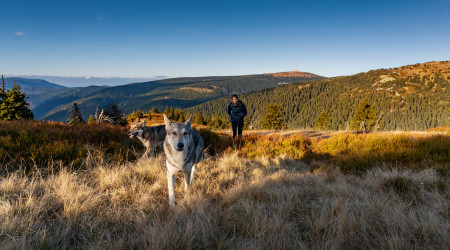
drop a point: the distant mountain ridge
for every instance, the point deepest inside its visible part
(85, 81)
(68, 96)
(37, 90)
(31, 83)
(180, 92)
(412, 97)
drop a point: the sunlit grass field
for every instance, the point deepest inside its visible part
(267, 191)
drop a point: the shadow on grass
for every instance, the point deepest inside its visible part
(354, 153)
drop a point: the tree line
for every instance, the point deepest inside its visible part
(396, 106)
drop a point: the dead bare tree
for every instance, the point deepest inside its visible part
(102, 118)
(362, 126)
(377, 124)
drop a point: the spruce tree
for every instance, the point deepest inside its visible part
(364, 118)
(323, 121)
(13, 105)
(91, 120)
(198, 118)
(217, 122)
(75, 115)
(154, 111)
(178, 115)
(172, 113)
(273, 119)
(2, 91)
(169, 112)
(138, 113)
(115, 114)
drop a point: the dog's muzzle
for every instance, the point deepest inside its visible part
(132, 135)
(179, 147)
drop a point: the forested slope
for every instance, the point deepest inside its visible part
(414, 97)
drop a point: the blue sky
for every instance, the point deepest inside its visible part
(199, 38)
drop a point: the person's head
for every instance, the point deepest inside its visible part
(234, 98)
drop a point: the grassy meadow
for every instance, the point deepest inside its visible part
(271, 191)
(34, 144)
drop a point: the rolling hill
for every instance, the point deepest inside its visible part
(176, 92)
(37, 90)
(68, 96)
(413, 97)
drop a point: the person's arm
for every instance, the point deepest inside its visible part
(229, 110)
(244, 110)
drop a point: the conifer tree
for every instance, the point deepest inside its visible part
(13, 105)
(198, 118)
(246, 122)
(170, 112)
(91, 120)
(154, 111)
(178, 115)
(364, 118)
(138, 113)
(323, 121)
(217, 122)
(273, 119)
(75, 115)
(167, 111)
(2, 90)
(115, 114)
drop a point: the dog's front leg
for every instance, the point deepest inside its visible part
(153, 151)
(171, 186)
(192, 173)
(187, 182)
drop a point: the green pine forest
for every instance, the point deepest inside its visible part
(414, 97)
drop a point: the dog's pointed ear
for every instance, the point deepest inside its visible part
(143, 123)
(167, 121)
(189, 121)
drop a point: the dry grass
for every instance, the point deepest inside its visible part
(317, 134)
(35, 144)
(234, 202)
(354, 153)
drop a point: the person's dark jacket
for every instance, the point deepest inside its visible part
(237, 112)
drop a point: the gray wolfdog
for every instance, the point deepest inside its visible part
(151, 137)
(183, 147)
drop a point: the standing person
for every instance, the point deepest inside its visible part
(237, 111)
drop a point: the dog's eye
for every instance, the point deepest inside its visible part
(185, 133)
(174, 133)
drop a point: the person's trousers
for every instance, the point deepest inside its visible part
(237, 127)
